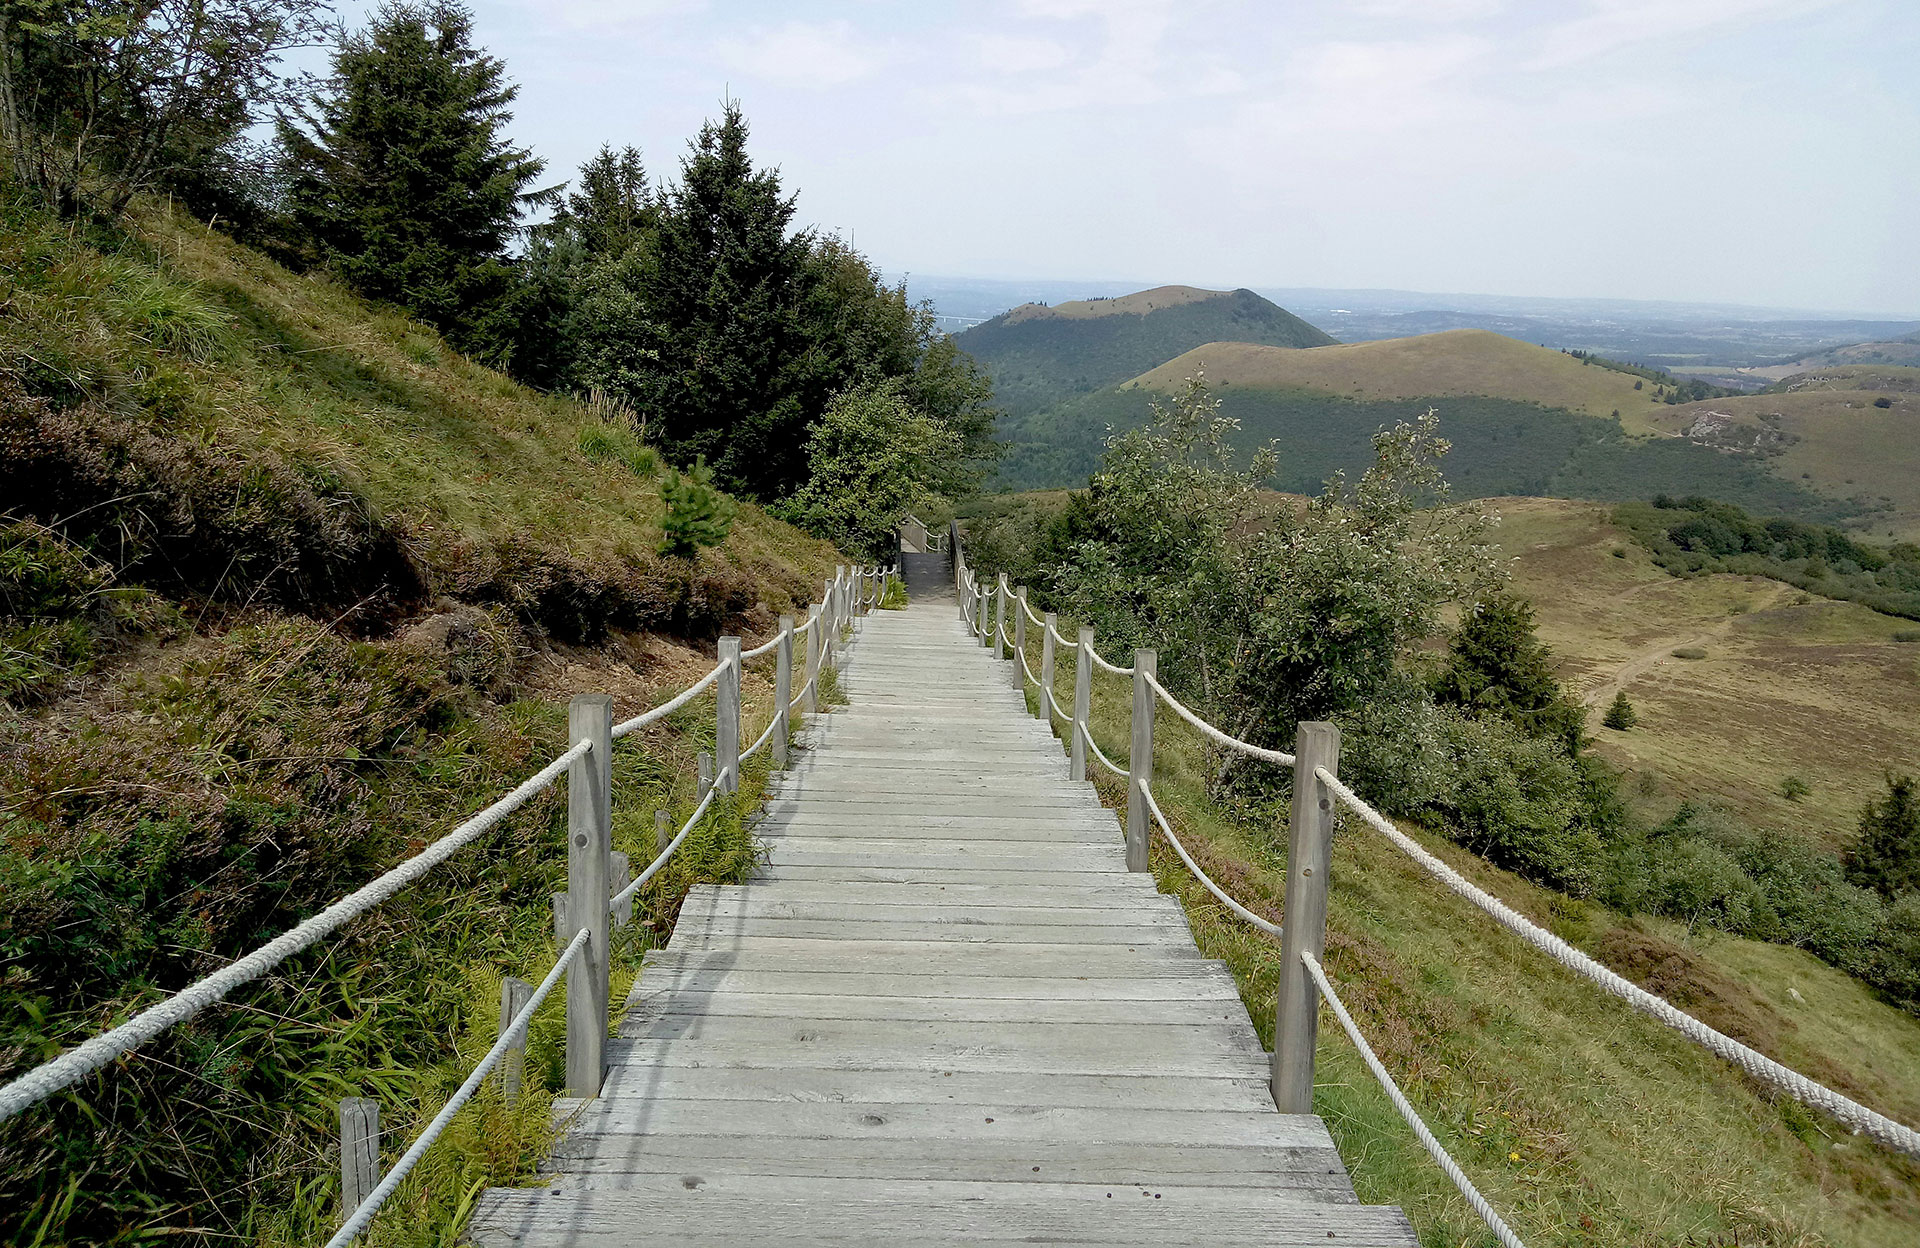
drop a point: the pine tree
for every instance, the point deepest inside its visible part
(1620, 715)
(403, 179)
(1498, 666)
(697, 513)
(1886, 857)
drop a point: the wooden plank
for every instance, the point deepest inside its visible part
(1203, 981)
(683, 1209)
(1157, 910)
(729, 932)
(674, 1001)
(1246, 1092)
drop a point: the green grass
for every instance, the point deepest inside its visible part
(1625, 1134)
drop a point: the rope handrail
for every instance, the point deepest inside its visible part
(90, 1055)
(1105, 666)
(667, 708)
(1214, 734)
(766, 648)
(512, 1035)
(1086, 734)
(1500, 1229)
(805, 689)
(1061, 641)
(660, 861)
(1033, 615)
(1166, 826)
(1059, 710)
(1026, 668)
(765, 736)
(1887, 1131)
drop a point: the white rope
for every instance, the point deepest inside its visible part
(1105, 666)
(661, 712)
(757, 651)
(1500, 1229)
(82, 1060)
(1086, 734)
(804, 690)
(514, 1034)
(1061, 641)
(1031, 614)
(1894, 1135)
(1059, 710)
(654, 867)
(1026, 668)
(1208, 730)
(765, 737)
(1271, 929)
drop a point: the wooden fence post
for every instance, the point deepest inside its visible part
(619, 875)
(561, 917)
(1000, 616)
(782, 690)
(514, 995)
(726, 736)
(1020, 641)
(810, 704)
(662, 833)
(359, 1152)
(703, 767)
(1082, 705)
(1309, 856)
(1140, 760)
(589, 841)
(1045, 711)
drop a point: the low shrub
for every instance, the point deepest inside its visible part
(1690, 652)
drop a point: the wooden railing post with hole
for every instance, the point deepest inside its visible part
(1045, 710)
(782, 691)
(1309, 857)
(1020, 640)
(359, 1151)
(1140, 760)
(1082, 705)
(514, 995)
(589, 842)
(726, 736)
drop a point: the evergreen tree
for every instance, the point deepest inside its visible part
(1620, 715)
(697, 513)
(614, 207)
(403, 179)
(1886, 856)
(1497, 665)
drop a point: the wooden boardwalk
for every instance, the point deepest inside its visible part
(943, 1013)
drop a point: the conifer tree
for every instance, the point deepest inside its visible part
(1499, 666)
(402, 175)
(1886, 857)
(1620, 715)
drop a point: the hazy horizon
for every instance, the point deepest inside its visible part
(1738, 152)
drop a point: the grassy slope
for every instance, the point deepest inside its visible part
(1844, 445)
(1039, 356)
(281, 758)
(1815, 688)
(1456, 363)
(1584, 1123)
(459, 450)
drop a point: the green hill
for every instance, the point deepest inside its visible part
(1523, 420)
(1040, 355)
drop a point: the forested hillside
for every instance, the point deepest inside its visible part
(1039, 356)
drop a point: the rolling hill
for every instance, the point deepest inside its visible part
(1040, 356)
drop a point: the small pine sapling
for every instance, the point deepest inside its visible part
(697, 513)
(1620, 716)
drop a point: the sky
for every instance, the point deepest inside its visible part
(1763, 152)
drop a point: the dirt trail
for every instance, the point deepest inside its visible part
(1646, 660)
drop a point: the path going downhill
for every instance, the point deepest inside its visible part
(944, 1012)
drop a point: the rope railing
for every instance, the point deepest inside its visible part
(90, 1055)
(1166, 827)
(1885, 1130)
(849, 594)
(513, 1035)
(1441, 1158)
(1860, 1118)
(1213, 734)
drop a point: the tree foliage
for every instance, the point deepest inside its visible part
(1886, 855)
(697, 513)
(1497, 665)
(102, 99)
(1620, 714)
(402, 179)
(873, 458)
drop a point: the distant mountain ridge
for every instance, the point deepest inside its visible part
(1040, 356)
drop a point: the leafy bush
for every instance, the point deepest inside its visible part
(1907, 635)
(1793, 788)
(698, 514)
(1519, 800)
(872, 458)
(1690, 652)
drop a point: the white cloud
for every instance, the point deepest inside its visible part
(1611, 25)
(801, 54)
(1016, 54)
